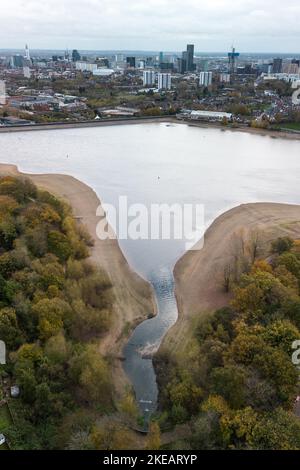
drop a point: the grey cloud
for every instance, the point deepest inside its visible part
(151, 24)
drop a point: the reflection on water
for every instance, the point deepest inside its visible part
(146, 339)
(158, 163)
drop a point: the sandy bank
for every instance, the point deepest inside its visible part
(134, 296)
(199, 275)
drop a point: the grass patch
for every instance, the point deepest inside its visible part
(4, 447)
(5, 418)
(294, 126)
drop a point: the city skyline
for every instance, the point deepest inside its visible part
(153, 25)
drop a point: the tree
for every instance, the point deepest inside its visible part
(10, 332)
(154, 438)
(281, 334)
(229, 382)
(278, 430)
(281, 245)
(128, 407)
(185, 395)
(59, 245)
(91, 372)
(291, 262)
(111, 436)
(51, 315)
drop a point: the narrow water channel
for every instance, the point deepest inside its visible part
(146, 339)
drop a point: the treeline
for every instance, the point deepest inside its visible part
(237, 385)
(54, 308)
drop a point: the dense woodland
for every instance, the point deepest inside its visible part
(54, 308)
(236, 386)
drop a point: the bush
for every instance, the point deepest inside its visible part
(281, 245)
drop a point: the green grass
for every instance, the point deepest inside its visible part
(295, 126)
(4, 447)
(5, 418)
(5, 422)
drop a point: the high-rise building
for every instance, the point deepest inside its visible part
(204, 65)
(205, 79)
(161, 57)
(148, 78)
(130, 61)
(186, 63)
(164, 81)
(190, 58)
(27, 53)
(16, 61)
(75, 56)
(149, 62)
(290, 67)
(232, 60)
(181, 65)
(277, 65)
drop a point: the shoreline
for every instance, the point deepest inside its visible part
(83, 124)
(134, 296)
(291, 135)
(198, 274)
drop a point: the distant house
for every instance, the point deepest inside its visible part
(2, 439)
(14, 391)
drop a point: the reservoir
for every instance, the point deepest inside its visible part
(164, 164)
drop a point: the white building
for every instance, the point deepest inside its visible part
(225, 77)
(287, 77)
(149, 78)
(119, 58)
(26, 72)
(27, 53)
(164, 81)
(101, 72)
(205, 78)
(86, 66)
(206, 115)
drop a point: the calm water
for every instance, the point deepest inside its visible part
(162, 163)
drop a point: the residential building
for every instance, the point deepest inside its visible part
(164, 81)
(26, 72)
(149, 78)
(205, 79)
(86, 66)
(277, 65)
(225, 77)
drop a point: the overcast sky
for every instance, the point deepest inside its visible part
(212, 25)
